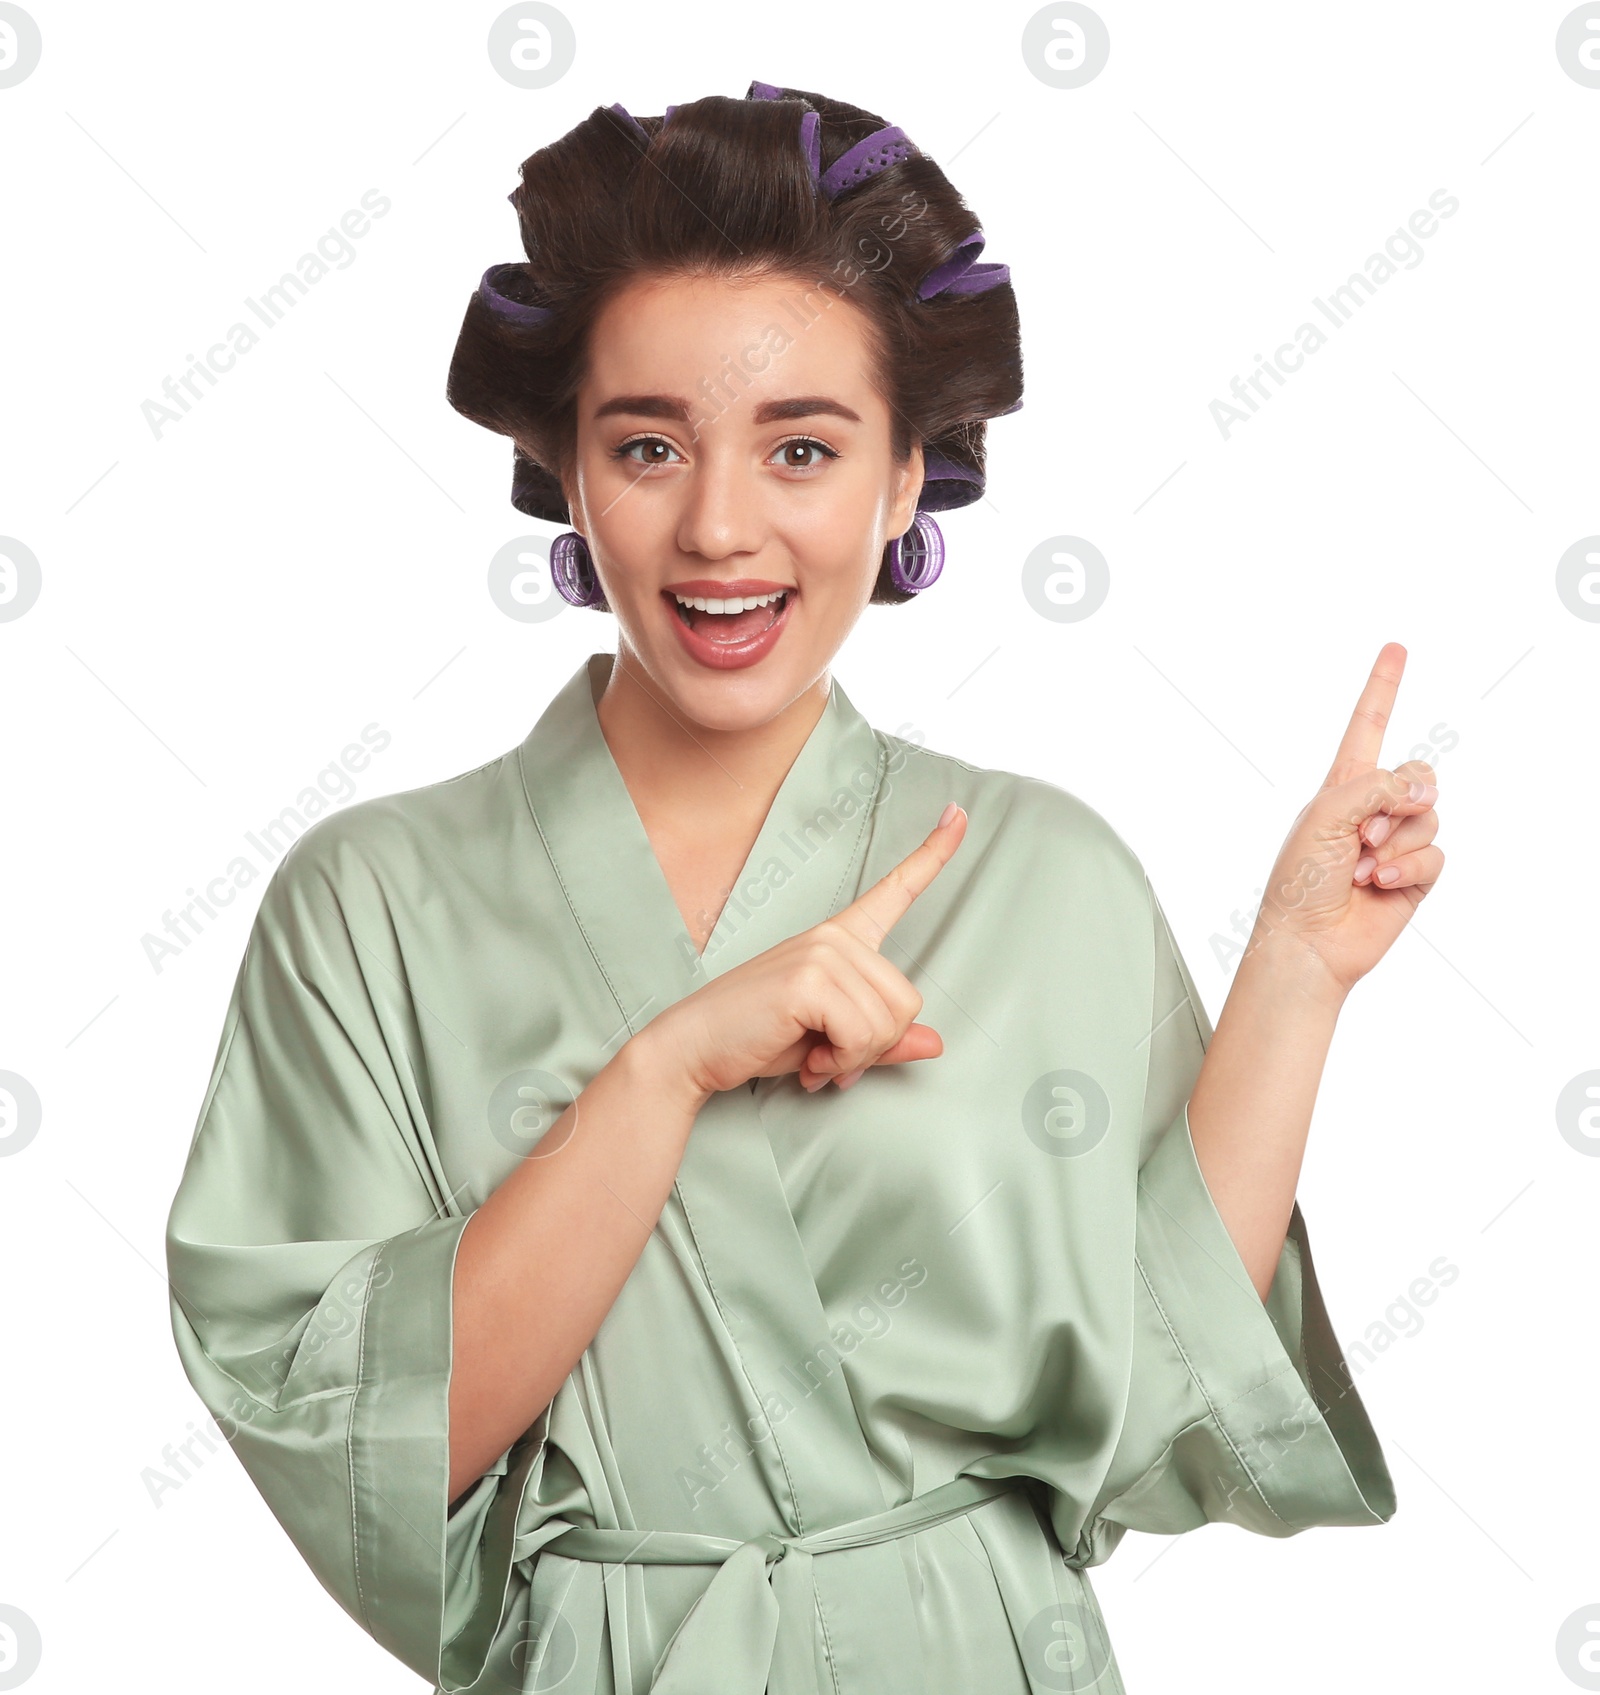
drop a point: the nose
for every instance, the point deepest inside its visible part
(722, 512)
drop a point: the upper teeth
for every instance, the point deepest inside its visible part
(736, 604)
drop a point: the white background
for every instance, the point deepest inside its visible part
(224, 607)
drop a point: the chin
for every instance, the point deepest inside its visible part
(744, 699)
(732, 701)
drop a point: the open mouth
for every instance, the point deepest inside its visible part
(732, 627)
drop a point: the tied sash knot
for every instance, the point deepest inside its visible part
(753, 1626)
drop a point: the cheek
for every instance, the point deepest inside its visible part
(627, 514)
(836, 546)
(837, 578)
(842, 522)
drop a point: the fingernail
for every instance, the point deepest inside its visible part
(1428, 792)
(1389, 874)
(1378, 828)
(949, 812)
(1364, 865)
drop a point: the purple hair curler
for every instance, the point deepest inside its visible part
(504, 307)
(945, 484)
(884, 147)
(810, 127)
(961, 273)
(632, 122)
(811, 144)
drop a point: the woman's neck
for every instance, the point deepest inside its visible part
(702, 794)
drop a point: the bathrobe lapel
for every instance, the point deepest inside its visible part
(806, 863)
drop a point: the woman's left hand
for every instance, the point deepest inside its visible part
(1360, 857)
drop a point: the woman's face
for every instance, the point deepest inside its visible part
(730, 444)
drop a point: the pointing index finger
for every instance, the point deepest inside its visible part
(1363, 736)
(876, 911)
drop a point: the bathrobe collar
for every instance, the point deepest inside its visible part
(805, 864)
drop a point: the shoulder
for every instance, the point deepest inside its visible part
(1020, 828)
(388, 848)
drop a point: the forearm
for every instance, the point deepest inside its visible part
(541, 1262)
(1250, 1109)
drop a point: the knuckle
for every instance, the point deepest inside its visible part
(857, 1038)
(1379, 789)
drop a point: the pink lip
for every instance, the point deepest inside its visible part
(709, 589)
(727, 656)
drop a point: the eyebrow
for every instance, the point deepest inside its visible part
(766, 412)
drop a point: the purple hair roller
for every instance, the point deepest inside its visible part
(976, 278)
(810, 127)
(961, 273)
(629, 119)
(811, 143)
(945, 484)
(886, 146)
(504, 307)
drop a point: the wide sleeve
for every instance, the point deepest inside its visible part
(1238, 1410)
(311, 1250)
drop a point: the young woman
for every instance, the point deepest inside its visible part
(723, 1198)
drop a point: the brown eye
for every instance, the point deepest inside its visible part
(655, 450)
(804, 445)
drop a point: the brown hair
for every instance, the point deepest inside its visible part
(726, 188)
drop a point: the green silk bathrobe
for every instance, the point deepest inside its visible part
(896, 1365)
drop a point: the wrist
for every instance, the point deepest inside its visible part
(656, 1071)
(1285, 963)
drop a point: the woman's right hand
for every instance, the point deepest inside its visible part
(824, 1003)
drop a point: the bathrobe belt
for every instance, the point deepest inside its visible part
(755, 1621)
